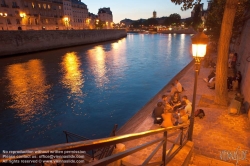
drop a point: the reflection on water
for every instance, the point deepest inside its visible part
(97, 60)
(27, 88)
(182, 45)
(72, 75)
(85, 89)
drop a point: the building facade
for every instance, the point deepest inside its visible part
(10, 15)
(92, 21)
(43, 14)
(106, 17)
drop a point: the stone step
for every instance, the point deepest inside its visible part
(200, 160)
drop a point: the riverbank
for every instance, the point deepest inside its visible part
(20, 42)
(217, 132)
(135, 123)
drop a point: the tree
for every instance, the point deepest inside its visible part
(196, 20)
(224, 41)
(223, 47)
(150, 21)
(173, 19)
(215, 15)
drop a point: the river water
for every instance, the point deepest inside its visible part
(85, 89)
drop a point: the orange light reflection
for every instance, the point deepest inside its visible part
(27, 88)
(73, 78)
(97, 60)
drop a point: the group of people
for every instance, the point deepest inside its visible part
(233, 82)
(173, 109)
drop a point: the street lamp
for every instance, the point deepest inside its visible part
(66, 21)
(5, 15)
(199, 45)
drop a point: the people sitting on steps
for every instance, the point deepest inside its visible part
(178, 86)
(211, 75)
(188, 105)
(157, 112)
(173, 89)
(211, 83)
(175, 101)
(233, 82)
(166, 104)
(181, 117)
(168, 119)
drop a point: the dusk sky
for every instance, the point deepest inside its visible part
(136, 9)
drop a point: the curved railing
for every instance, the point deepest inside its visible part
(38, 155)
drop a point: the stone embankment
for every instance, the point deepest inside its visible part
(19, 42)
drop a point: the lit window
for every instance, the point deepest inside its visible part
(60, 7)
(44, 6)
(33, 5)
(47, 21)
(39, 5)
(48, 6)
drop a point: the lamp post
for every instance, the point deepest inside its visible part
(199, 45)
(66, 22)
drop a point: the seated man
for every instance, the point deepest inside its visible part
(178, 86)
(183, 117)
(188, 105)
(158, 111)
(173, 89)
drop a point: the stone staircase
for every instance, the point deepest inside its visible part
(200, 160)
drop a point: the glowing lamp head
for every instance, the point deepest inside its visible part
(22, 15)
(66, 19)
(199, 44)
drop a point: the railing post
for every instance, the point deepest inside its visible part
(164, 148)
(181, 138)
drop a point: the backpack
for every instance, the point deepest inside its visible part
(199, 113)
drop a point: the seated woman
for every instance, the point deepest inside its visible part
(175, 101)
(158, 111)
(168, 120)
(166, 104)
(235, 84)
(211, 83)
(210, 76)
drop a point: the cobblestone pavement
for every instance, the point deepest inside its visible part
(216, 134)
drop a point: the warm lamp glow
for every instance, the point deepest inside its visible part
(66, 19)
(199, 50)
(22, 15)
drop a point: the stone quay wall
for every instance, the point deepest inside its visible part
(19, 42)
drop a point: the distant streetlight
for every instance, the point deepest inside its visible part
(4, 15)
(199, 45)
(66, 21)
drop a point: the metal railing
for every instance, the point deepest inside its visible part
(180, 131)
(94, 153)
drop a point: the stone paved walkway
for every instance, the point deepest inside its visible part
(216, 133)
